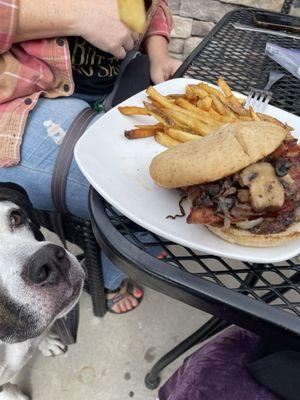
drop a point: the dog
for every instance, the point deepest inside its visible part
(40, 282)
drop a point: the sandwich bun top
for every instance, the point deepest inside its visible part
(228, 150)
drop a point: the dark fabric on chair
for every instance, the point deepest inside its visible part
(276, 366)
(217, 371)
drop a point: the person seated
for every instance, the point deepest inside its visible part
(56, 58)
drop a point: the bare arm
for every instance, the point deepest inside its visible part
(45, 19)
(96, 20)
(162, 66)
(156, 46)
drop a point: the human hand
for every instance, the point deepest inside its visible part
(163, 67)
(98, 22)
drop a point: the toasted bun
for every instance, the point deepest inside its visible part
(221, 154)
(245, 238)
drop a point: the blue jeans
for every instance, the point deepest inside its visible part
(45, 129)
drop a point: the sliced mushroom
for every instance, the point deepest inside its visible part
(213, 189)
(266, 191)
(243, 195)
(282, 167)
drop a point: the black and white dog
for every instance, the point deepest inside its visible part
(39, 283)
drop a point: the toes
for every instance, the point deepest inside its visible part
(123, 306)
(133, 301)
(116, 308)
(137, 293)
(129, 306)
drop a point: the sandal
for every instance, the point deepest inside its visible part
(115, 296)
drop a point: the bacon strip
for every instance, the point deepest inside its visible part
(204, 215)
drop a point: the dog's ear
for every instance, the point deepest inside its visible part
(15, 193)
(14, 187)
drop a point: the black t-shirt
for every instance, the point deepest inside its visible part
(94, 71)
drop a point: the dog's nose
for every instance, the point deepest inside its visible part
(48, 266)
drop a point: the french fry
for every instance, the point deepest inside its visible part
(133, 14)
(159, 98)
(200, 128)
(229, 94)
(225, 87)
(139, 133)
(212, 91)
(226, 101)
(205, 104)
(222, 118)
(237, 107)
(221, 109)
(253, 115)
(201, 93)
(156, 127)
(176, 96)
(197, 113)
(162, 100)
(234, 101)
(159, 114)
(190, 94)
(133, 111)
(244, 118)
(165, 140)
(181, 136)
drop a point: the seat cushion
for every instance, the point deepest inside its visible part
(217, 371)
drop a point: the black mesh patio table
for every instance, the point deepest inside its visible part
(264, 298)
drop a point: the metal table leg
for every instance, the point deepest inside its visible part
(212, 327)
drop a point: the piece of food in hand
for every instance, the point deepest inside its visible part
(243, 182)
(133, 14)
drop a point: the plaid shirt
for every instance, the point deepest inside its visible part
(40, 67)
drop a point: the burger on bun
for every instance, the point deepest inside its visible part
(243, 182)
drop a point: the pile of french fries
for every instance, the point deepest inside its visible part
(200, 111)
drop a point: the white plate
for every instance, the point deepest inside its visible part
(118, 169)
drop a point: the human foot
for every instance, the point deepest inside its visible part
(124, 299)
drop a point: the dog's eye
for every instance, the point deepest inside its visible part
(16, 218)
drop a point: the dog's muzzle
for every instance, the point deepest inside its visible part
(49, 266)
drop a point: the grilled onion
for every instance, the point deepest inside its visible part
(249, 224)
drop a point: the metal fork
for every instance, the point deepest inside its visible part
(259, 99)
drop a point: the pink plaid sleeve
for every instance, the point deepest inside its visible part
(8, 23)
(161, 23)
